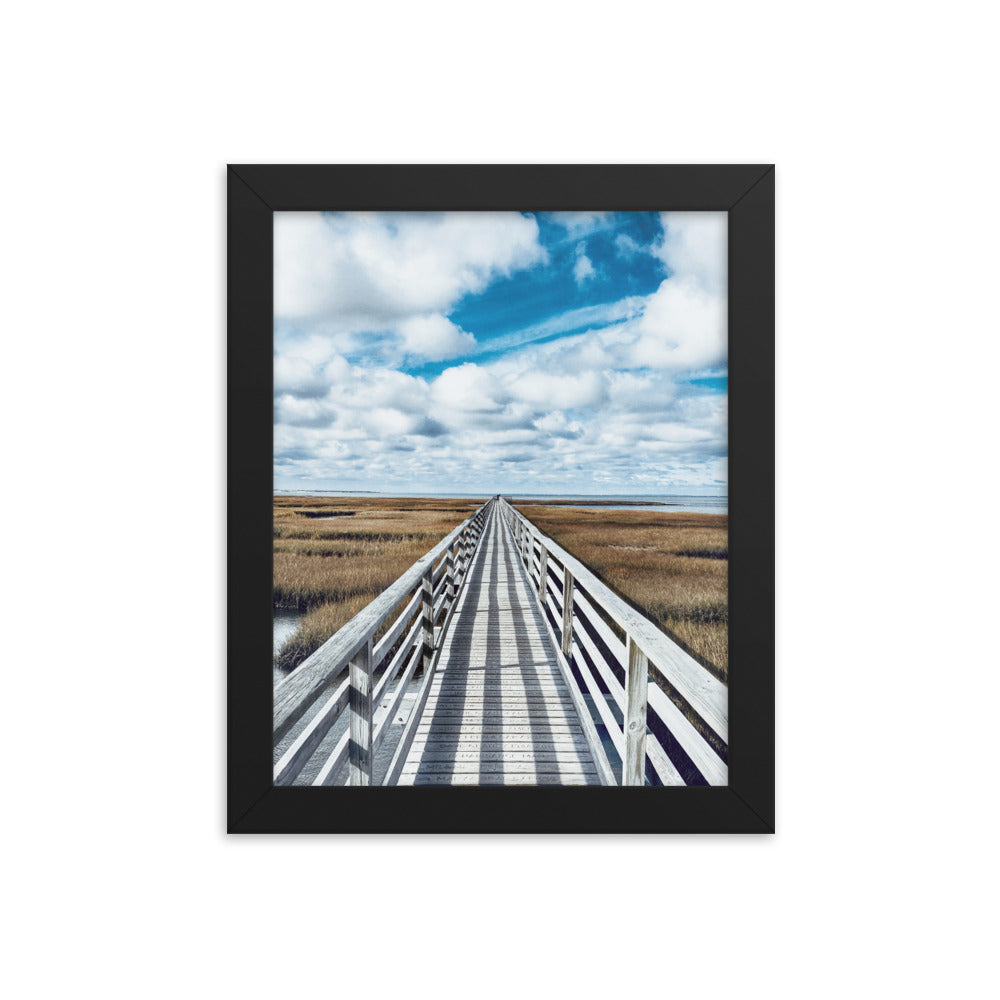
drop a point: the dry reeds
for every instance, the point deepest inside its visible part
(332, 568)
(673, 567)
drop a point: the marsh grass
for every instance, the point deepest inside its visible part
(332, 569)
(673, 567)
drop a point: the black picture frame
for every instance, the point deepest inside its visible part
(746, 804)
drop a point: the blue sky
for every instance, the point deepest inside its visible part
(501, 352)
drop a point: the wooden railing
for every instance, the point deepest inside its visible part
(311, 699)
(614, 659)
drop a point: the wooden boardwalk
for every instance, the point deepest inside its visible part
(498, 658)
(498, 711)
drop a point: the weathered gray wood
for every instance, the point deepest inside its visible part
(399, 657)
(498, 683)
(294, 695)
(600, 703)
(435, 611)
(472, 685)
(607, 675)
(593, 740)
(540, 719)
(384, 717)
(589, 613)
(662, 764)
(708, 696)
(427, 612)
(636, 683)
(440, 755)
(539, 699)
(567, 604)
(294, 758)
(450, 727)
(479, 711)
(499, 779)
(361, 716)
(508, 767)
(563, 742)
(712, 768)
(385, 643)
(331, 768)
(451, 576)
(409, 730)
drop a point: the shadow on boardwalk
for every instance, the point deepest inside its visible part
(498, 710)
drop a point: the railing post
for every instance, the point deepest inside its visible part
(567, 629)
(450, 574)
(543, 576)
(636, 686)
(360, 702)
(427, 617)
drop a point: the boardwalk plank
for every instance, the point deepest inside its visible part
(498, 710)
(498, 779)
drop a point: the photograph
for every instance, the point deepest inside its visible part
(500, 498)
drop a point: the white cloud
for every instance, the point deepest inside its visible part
(562, 392)
(694, 246)
(299, 377)
(579, 224)
(435, 337)
(583, 269)
(303, 412)
(682, 326)
(470, 388)
(556, 424)
(360, 272)
(596, 398)
(626, 247)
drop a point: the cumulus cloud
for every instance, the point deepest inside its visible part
(682, 326)
(602, 397)
(583, 269)
(626, 247)
(562, 392)
(470, 388)
(359, 272)
(298, 377)
(579, 224)
(435, 337)
(694, 246)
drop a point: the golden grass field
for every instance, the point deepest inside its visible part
(673, 567)
(332, 556)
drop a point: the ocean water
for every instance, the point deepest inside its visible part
(662, 502)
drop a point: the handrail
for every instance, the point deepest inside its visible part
(307, 689)
(590, 650)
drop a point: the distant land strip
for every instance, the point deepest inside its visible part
(557, 502)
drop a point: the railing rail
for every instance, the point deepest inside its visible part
(684, 743)
(315, 692)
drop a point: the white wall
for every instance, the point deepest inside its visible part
(119, 880)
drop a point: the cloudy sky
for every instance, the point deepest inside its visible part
(500, 352)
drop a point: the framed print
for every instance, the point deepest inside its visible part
(501, 499)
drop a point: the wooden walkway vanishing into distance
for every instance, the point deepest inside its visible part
(498, 710)
(500, 659)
